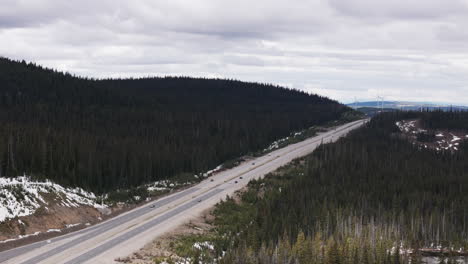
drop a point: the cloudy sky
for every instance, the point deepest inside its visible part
(344, 49)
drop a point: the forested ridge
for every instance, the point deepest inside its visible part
(112, 133)
(453, 120)
(371, 197)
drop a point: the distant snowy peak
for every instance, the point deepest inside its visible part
(22, 196)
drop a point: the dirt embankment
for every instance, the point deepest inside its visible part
(46, 223)
(50, 222)
(55, 218)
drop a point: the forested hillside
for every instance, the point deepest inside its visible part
(105, 134)
(455, 120)
(372, 197)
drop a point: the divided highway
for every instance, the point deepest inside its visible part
(126, 233)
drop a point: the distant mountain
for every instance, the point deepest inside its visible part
(371, 111)
(402, 105)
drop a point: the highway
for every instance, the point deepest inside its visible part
(128, 232)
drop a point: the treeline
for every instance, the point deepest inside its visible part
(453, 120)
(106, 134)
(372, 197)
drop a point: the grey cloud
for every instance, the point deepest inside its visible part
(42, 12)
(341, 48)
(244, 60)
(406, 9)
(454, 33)
(362, 56)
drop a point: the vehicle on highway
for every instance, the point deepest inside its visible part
(211, 180)
(235, 182)
(241, 177)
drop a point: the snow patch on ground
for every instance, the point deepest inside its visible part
(445, 140)
(213, 171)
(276, 144)
(20, 237)
(203, 245)
(22, 196)
(72, 225)
(37, 233)
(279, 143)
(166, 185)
(163, 185)
(406, 126)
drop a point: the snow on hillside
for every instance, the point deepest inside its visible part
(211, 172)
(166, 185)
(283, 141)
(22, 196)
(443, 139)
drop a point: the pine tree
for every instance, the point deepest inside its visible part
(333, 256)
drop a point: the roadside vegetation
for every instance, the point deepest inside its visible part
(372, 197)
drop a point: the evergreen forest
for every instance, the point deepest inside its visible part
(103, 134)
(371, 197)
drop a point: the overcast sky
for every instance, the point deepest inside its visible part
(345, 49)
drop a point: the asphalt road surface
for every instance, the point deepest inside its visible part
(128, 232)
